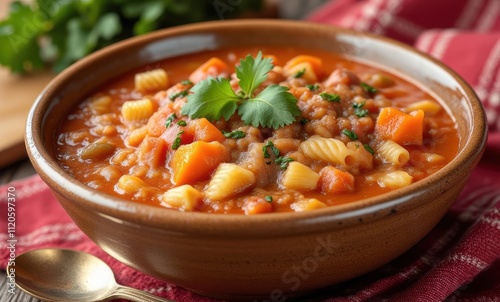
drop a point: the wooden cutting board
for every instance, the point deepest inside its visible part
(17, 94)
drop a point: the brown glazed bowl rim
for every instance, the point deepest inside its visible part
(238, 225)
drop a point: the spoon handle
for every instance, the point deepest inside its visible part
(133, 294)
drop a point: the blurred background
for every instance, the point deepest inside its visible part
(39, 38)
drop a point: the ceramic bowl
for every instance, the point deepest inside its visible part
(244, 257)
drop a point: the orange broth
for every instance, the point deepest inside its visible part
(79, 130)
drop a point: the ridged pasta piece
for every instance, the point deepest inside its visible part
(394, 180)
(101, 104)
(307, 205)
(299, 177)
(98, 150)
(137, 110)
(228, 180)
(185, 198)
(130, 184)
(151, 81)
(429, 107)
(329, 150)
(137, 136)
(393, 153)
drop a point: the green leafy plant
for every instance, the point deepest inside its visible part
(57, 33)
(214, 99)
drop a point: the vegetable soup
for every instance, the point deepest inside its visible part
(255, 130)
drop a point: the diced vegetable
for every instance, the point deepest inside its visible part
(304, 71)
(314, 62)
(258, 207)
(156, 123)
(213, 67)
(402, 128)
(205, 131)
(153, 151)
(97, 150)
(196, 161)
(335, 181)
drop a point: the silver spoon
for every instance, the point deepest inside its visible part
(69, 275)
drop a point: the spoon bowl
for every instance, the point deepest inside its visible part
(67, 275)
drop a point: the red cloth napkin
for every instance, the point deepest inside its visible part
(457, 261)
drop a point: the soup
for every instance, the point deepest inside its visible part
(254, 131)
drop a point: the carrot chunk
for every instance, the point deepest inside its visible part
(156, 123)
(185, 134)
(400, 127)
(213, 67)
(335, 181)
(205, 131)
(196, 161)
(258, 207)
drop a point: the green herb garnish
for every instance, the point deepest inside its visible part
(313, 88)
(283, 162)
(177, 141)
(303, 121)
(234, 134)
(300, 73)
(182, 123)
(350, 134)
(179, 94)
(170, 120)
(213, 99)
(368, 88)
(330, 97)
(272, 147)
(358, 109)
(369, 149)
(186, 82)
(268, 198)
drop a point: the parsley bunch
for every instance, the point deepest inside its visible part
(214, 98)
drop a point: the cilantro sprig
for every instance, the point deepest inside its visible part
(273, 107)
